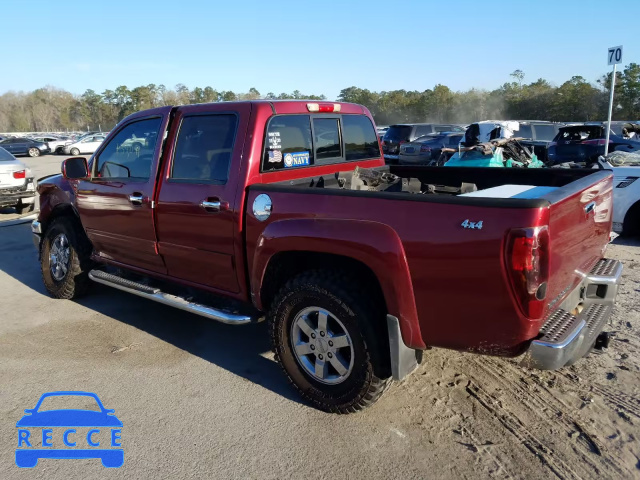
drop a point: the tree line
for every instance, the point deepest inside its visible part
(54, 109)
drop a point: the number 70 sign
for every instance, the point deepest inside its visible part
(614, 55)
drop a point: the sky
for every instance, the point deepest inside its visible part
(314, 47)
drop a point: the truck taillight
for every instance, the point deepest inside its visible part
(323, 107)
(528, 268)
(20, 174)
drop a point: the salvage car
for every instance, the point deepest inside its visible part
(17, 187)
(234, 212)
(55, 144)
(88, 144)
(398, 134)
(626, 190)
(427, 150)
(537, 135)
(25, 146)
(585, 143)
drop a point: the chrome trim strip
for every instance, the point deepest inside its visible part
(182, 304)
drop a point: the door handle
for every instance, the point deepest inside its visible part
(211, 206)
(136, 198)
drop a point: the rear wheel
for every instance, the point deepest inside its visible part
(74, 152)
(34, 152)
(330, 342)
(64, 260)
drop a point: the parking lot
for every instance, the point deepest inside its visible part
(202, 399)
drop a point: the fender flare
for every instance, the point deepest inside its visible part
(376, 245)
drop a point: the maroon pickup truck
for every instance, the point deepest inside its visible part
(285, 211)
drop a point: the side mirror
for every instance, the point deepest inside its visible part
(75, 168)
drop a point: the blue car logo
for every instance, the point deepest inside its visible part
(71, 428)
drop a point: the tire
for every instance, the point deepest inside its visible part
(25, 208)
(74, 282)
(34, 152)
(137, 146)
(74, 152)
(367, 355)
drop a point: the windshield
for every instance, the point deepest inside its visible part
(398, 133)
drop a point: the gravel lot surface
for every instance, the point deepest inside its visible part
(205, 400)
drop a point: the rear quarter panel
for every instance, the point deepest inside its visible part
(460, 290)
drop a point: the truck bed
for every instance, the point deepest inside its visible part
(458, 275)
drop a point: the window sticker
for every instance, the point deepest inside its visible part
(296, 159)
(274, 141)
(275, 156)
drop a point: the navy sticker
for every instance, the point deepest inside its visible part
(296, 159)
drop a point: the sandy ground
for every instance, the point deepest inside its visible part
(205, 400)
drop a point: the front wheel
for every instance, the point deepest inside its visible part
(330, 342)
(34, 152)
(64, 260)
(74, 152)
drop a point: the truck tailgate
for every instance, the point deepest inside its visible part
(579, 224)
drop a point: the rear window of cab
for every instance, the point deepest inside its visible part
(295, 141)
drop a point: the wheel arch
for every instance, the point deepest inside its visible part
(371, 251)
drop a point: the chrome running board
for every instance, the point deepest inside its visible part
(157, 295)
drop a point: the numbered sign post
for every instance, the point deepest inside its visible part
(614, 56)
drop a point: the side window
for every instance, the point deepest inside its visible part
(327, 138)
(360, 139)
(129, 154)
(423, 130)
(204, 147)
(288, 143)
(545, 132)
(524, 131)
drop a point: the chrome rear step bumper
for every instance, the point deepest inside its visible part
(157, 295)
(565, 338)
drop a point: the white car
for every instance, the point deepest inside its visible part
(88, 144)
(626, 190)
(17, 188)
(53, 142)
